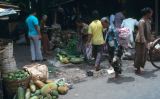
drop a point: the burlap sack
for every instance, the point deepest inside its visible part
(37, 71)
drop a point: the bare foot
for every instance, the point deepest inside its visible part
(138, 72)
(142, 69)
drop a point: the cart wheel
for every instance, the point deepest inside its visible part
(154, 54)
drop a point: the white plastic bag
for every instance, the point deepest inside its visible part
(89, 52)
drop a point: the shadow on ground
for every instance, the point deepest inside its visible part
(120, 80)
(150, 74)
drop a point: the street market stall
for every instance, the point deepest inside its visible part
(8, 13)
(7, 60)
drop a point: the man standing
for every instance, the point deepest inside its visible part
(97, 39)
(34, 36)
(130, 23)
(143, 38)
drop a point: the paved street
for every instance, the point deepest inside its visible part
(129, 86)
(75, 36)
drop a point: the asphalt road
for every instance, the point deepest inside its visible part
(129, 86)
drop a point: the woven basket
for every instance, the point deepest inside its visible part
(7, 45)
(7, 52)
(156, 54)
(8, 65)
(2, 50)
(11, 86)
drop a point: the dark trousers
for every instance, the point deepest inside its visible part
(97, 54)
(111, 51)
(116, 65)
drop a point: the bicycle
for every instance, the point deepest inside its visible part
(154, 53)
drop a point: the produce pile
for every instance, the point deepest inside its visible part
(25, 85)
(42, 90)
(72, 45)
(66, 58)
(17, 75)
(70, 53)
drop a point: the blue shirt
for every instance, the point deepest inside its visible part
(32, 21)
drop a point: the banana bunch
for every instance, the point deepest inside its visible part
(63, 59)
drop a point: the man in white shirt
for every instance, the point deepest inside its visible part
(130, 23)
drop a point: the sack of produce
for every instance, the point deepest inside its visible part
(37, 71)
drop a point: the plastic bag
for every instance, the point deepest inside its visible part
(89, 52)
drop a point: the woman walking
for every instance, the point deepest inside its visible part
(114, 49)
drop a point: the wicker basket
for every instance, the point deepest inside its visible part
(2, 50)
(8, 51)
(156, 54)
(7, 45)
(8, 65)
(11, 86)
